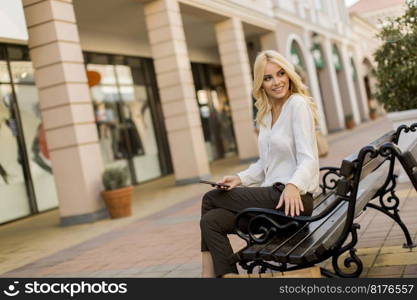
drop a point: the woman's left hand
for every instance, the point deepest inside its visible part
(292, 200)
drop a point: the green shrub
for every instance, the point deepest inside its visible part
(397, 62)
(115, 178)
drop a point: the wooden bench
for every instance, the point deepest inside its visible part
(283, 243)
(408, 158)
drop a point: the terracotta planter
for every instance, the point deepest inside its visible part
(373, 115)
(119, 202)
(350, 124)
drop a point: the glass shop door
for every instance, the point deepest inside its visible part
(215, 112)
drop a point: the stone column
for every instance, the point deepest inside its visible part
(331, 93)
(236, 69)
(177, 92)
(360, 90)
(314, 87)
(346, 77)
(67, 111)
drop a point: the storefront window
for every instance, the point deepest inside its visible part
(124, 117)
(4, 72)
(33, 131)
(215, 112)
(13, 202)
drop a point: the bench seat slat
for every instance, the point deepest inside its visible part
(251, 252)
(309, 245)
(255, 250)
(312, 249)
(305, 245)
(309, 237)
(348, 164)
(268, 251)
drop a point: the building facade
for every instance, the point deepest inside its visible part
(158, 87)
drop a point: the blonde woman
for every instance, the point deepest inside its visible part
(287, 172)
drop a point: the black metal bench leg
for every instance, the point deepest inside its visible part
(396, 217)
(389, 206)
(351, 259)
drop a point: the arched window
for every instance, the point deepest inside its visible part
(354, 72)
(336, 59)
(297, 56)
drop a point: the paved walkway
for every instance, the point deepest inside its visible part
(161, 239)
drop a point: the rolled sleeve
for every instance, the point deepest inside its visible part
(254, 175)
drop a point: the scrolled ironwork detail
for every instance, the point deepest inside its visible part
(389, 149)
(391, 202)
(412, 128)
(330, 178)
(264, 266)
(273, 227)
(371, 150)
(352, 261)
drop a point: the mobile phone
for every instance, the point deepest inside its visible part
(215, 184)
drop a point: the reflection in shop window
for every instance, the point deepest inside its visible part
(10, 170)
(202, 97)
(124, 120)
(124, 75)
(34, 134)
(13, 201)
(22, 72)
(22, 136)
(4, 73)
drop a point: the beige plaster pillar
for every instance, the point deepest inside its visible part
(360, 88)
(330, 90)
(236, 69)
(67, 112)
(177, 92)
(314, 87)
(349, 95)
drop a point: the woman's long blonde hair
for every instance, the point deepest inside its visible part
(263, 104)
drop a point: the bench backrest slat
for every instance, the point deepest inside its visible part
(357, 171)
(369, 186)
(348, 166)
(409, 158)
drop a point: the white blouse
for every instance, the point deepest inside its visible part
(288, 150)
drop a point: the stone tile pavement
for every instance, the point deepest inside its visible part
(162, 238)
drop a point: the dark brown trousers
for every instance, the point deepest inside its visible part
(218, 211)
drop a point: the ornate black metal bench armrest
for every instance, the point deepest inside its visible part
(406, 129)
(252, 221)
(330, 178)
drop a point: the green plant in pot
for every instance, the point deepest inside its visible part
(117, 193)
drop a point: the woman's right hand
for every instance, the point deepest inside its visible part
(232, 181)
